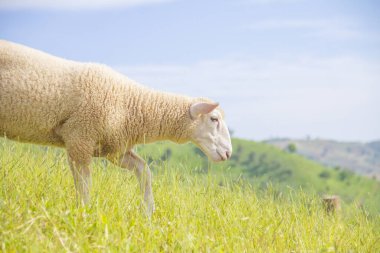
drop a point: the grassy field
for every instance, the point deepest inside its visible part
(260, 164)
(199, 208)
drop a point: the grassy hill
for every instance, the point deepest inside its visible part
(262, 164)
(362, 158)
(227, 207)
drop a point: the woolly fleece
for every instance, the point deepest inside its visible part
(49, 100)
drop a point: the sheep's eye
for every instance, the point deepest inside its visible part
(214, 119)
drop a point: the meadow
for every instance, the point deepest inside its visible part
(199, 207)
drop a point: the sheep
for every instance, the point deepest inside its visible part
(93, 111)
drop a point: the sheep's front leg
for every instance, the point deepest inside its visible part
(132, 161)
(82, 180)
(79, 161)
(80, 148)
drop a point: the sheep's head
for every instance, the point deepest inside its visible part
(210, 132)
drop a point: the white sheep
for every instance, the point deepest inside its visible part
(94, 111)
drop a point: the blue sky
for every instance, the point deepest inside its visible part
(279, 68)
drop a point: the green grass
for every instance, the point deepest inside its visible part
(217, 210)
(260, 164)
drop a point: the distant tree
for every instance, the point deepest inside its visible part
(282, 175)
(343, 175)
(204, 166)
(237, 154)
(262, 159)
(325, 174)
(150, 160)
(291, 148)
(250, 159)
(166, 155)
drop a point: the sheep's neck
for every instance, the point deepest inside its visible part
(163, 116)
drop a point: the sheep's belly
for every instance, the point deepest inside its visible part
(23, 119)
(29, 132)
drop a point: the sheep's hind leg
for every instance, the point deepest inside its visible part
(132, 161)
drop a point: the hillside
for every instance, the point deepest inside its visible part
(262, 164)
(362, 158)
(200, 208)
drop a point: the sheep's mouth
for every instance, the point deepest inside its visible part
(211, 155)
(221, 156)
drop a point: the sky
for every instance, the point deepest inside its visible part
(278, 68)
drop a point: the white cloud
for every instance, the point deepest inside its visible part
(325, 97)
(268, 2)
(326, 28)
(75, 4)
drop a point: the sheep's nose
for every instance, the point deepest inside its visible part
(228, 154)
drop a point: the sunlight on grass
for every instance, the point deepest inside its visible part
(194, 212)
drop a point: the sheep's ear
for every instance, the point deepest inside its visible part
(197, 109)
